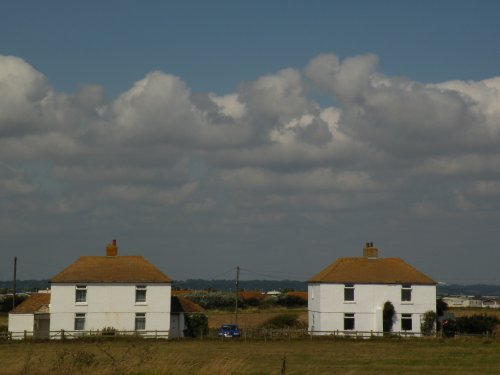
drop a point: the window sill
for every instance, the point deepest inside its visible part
(141, 303)
(81, 304)
(350, 302)
(406, 302)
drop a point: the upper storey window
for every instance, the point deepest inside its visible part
(349, 292)
(406, 293)
(140, 294)
(81, 294)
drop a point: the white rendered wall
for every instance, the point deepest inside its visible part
(110, 305)
(19, 323)
(326, 306)
(177, 325)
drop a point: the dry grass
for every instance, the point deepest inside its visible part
(251, 318)
(466, 311)
(213, 357)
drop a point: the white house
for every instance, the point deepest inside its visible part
(126, 293)
(350, 294)
(31, 317)
(181, 308)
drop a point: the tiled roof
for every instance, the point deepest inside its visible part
(182, 304)
(246, 295)
(371, 271)
(37, 302)
(111, 269)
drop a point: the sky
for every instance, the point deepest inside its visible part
(276, 136)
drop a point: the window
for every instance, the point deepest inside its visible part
(349, 292)
(81, 294)
(140, 321)
(140, 294)
(406, 293)
(406, 322)
(348, 321)
(79, 322)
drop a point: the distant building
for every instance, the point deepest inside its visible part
(350, 294)
(492, 303)
(462, 301)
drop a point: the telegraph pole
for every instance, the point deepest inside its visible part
(237, 293)
(14, 284)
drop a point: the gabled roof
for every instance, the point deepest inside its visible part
(37, 302)
(111, 269)
(362, 270)
(179, 304)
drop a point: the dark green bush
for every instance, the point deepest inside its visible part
(476, 324)
(283, 321)
(197, 325)
(215, 300)
(388, 316)
(6, 302)
(291, 301)
(428, 324)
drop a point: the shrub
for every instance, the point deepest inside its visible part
(108, 331)
(6, 303)
(291, 301)
(441, 307)
(214, 300)
(476, 324)
(388, 316)
(428, 323)
(196, 325)
(283, 321)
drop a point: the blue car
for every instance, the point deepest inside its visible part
(229, 330)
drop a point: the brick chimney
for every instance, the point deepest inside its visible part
(370, 251)
(112, 249)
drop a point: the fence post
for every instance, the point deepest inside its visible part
(25, 335)
(62, 334)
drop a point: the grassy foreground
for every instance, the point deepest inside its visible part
(319, 356)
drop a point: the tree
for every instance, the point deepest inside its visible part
(388, 316)
(196, 325)
(441, 307)
(428, 323)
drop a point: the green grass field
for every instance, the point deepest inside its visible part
(319, 356)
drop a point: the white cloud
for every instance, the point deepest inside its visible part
(384, 151)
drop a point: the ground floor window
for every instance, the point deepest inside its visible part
(140, 321)
(406, 322)
(79, 322)
(348, 321)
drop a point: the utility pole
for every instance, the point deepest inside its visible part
(14, 284)
(237, 294)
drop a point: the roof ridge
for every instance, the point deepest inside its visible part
(374, 271)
